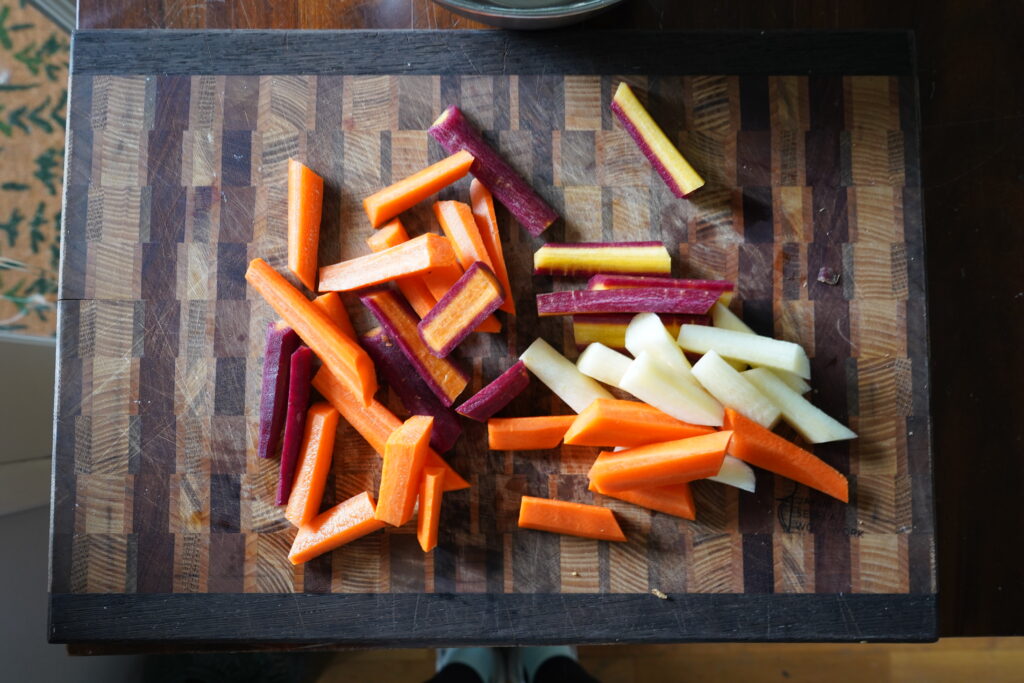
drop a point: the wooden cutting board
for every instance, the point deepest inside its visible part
(164, 527)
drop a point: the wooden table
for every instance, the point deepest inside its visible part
(975, 608)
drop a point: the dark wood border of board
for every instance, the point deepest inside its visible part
(414, 620)
(491, 52)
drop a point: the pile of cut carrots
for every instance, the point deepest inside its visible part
(671, 343)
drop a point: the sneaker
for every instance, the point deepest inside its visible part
(487, 662)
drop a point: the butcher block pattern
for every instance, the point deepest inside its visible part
(176, 181)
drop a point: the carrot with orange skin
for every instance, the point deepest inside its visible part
(762, 448)
(527, 433)
(375, 423)
(661, 464)
(415, 257)
(611, 422)
(390, 234)
(305, 206)
(331, 304)
(404, 454)
(314, 464)
(339, 352)
(413, 288)
(431, 489)
(406, 193)
(573, 519)
(487, 223)
(459, 226)
(345, 522)
(674, 499)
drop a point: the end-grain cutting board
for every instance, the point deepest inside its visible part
(164, 527)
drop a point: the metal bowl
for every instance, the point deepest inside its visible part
(551, 14)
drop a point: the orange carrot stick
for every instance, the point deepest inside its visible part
(611, 422)
(404, 454)
(440, 281)
(413, 288)
(574, 519)
(762, 448)
(661, 464)
(674, 499)
(305, 204)
(527, 433)
(375, 423)
(487, 224)
(429, 518)
(314, 464)
(346, 359)
(331, 304)
(343, 523)
(459, 226)
(406, 193)
(415, 257)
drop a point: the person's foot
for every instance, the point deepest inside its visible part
(487, 662)
(526, 661)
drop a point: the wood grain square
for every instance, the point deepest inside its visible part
(109, 511)
(189, 503)
(191, 563)
(573, 158)
(881, 565)
(793, 556)
(619, 161)
(876, 157)
(366, 103)
(583, 106)
(877, 327)
(109, 447)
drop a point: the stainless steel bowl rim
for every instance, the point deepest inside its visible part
(529, 12)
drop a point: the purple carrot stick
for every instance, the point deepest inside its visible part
(610, 281)
(281, 343)
(636, 300)
(299, 382)
(496, 395)
(469, 302)
(414, 393)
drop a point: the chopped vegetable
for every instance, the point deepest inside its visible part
(661, 464)
(487, 224)
(573, 519)
(610, 329)
(733, 390)
(736, 473)
(277, 356)
(611, 281)
(762, 448)
(676, 394)
(385, 204)
(331, 304)
(646, 333)
(413, 288)
(611, 422)
(299, 375)
(467, 304)
(603, 364)
(654, 300)
(404, 454)
(375, 423)
(441, 281)
(454, 133)
(459, 226)
(496, 395)
(527, 433)
(750, 348)
(722, 317)
(561, 376)
(429, 518)
(814, 424)
(674, 499)
(417, 256)
(589, 258)
(391, 234)
(411, 390)
(314, 464)
(305, 205)
(343, 523)
(399, 321)
(673, 168)
(345, 358)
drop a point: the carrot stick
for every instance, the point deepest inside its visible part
(459, 226)
(611, 422)
(343, 523)
(429, 518)
(762, 448)
(331, 304)
(340, 353)
(314, 464)
(406, 193)
(467, 304)
(413, 288)
(305, 204)
(574, 519)
(415, 257)
(661, 464)
(527, 433)
(404, 454)
(487, 223)
(674, 499)
(375, 423)
(440, 281)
